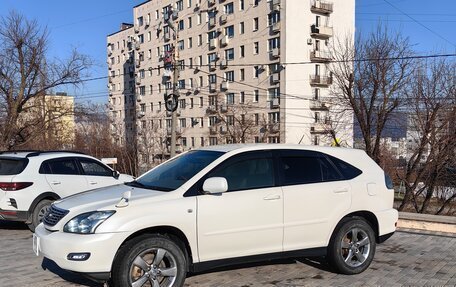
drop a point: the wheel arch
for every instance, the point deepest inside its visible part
(46, 195)
(370, 218)
(172, 232)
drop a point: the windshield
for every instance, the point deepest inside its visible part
(12, 166)
(174, 173)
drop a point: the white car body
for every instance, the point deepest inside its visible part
(18, 205)
(263, 221)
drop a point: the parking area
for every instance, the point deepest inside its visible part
(406, 259)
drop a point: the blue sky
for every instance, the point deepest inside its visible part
(85, 24)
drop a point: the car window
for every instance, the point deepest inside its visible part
(60, 166)
(328, 171)
(91, 167)
(347, 170)
(12, 166)
(247, 174)
(300, 170)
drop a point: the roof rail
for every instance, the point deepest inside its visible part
(37, 153)
(17, 151)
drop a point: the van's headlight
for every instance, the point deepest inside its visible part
(87, 223)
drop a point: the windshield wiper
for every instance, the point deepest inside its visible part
(135, 183)
(141, 185)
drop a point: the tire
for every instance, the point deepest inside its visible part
(38, 213)
(352, 246)
(136, 263)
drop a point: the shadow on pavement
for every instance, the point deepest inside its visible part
(12, 225)
(316, 262)
(67, 275)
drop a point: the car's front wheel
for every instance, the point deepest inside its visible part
(38, 213)
(352, 247)
(150, 260)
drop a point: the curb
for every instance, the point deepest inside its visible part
(427, 223)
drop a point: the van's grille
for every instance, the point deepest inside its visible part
(54, 215)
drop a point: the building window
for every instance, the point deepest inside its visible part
(212, 141)
(180, 45)
(274, 117)
(180, 25)
(230, 99)
(189, 22)
(212, 121)
(242, 74)
(190, 42)
(274, 43)
(256, 48)
(229, 54)
(212, 79)
(241, 28)
(140, 21)
(256, 71)
(257, 119)
(273, 18)
(242, 51)
(255, 24)
(183, 123)
(241, 5)
(229, 8)
(273, 93)
(242, 97)
(229, 76)
(256, 96)
(229, 31)
(142, 90)
(181, 84)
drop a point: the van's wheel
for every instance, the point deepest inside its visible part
(38, 213)
(352, 246)
(150, 260)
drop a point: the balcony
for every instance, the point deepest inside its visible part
(321, 32)
(275, 5)
(320, 56)
(212, 109)
(212, 87)
(321, 7)
(275, 78)
(224, 86)
(224, 41)
(275, 28)
(223, 19)
(274, 103)
(212, 66)
(212, 44)
(318, 105)
(317, 80)
(274, 128)
(275, 53)
(322, 126)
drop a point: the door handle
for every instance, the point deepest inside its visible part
(93, 182)
(271, 197)
(55, 182)
(341, 190)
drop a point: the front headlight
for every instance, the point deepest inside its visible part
(87, 223)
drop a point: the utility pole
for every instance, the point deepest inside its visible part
(175, 89)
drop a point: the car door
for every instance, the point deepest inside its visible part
(96, 174)
(248, 218)
(315, 196)
(64, 176)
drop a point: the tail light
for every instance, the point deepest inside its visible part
(13, 186)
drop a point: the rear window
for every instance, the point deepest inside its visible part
(10, 166)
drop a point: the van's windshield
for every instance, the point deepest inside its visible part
(174, 173)
(12, 166)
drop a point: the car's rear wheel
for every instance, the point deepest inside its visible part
(38, 213)
(150, 260)
(352, 246)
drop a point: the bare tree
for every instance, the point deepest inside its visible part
(431, 99)
(369, 75)
(26, 74)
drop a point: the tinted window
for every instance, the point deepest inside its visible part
(300, 170)
(328, 172)
(173, 173)
(347, 170)
(91, 167)
(247, 173)
(60, 166)
(12, 166)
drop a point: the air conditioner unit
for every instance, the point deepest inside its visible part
(275, 103)
(276, 5)
(225, 41)
(223, 19)
(275, 53)
(309, 41)
(211, 22)
(223, 63)
(275, 78)
(225, 85)
(213, 43)
(141, 114)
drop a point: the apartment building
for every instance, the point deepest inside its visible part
(249, 71)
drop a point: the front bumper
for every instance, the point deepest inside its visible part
(57, 245)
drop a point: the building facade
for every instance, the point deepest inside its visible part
(249, 71)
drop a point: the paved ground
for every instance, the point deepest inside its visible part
(404, 260)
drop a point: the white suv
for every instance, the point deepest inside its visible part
(31, 181)
(221, 205)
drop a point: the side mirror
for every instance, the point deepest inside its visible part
(115, 174)
(215, 185)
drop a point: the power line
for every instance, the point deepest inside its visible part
(419, 23)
